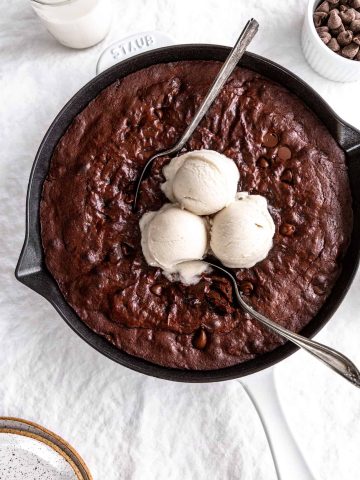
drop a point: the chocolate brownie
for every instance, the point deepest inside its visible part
(91, 237)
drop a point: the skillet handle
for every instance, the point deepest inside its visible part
(288, 460)
(347, 136)
(29, 268)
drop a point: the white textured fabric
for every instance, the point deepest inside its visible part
(125, 425)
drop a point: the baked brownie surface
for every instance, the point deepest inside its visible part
(91, 237)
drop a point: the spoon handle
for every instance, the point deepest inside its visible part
(333, 359)
(230, 63)
(226, 70)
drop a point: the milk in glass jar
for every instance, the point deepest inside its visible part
(75, 23)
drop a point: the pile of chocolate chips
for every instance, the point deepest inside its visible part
(338, 25)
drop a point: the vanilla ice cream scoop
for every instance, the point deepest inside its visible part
(172, 236)
(202, 181)
(242, 233)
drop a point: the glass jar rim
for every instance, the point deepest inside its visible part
(53, 3)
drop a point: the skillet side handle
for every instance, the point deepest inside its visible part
(348, 137)
(28, 266)
(288, 460)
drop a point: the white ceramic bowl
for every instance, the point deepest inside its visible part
(320, 57)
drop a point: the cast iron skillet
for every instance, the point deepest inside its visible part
(31, 269)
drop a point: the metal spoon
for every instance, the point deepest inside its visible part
(226, 70)
(333, 359)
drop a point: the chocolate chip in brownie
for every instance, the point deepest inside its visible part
(287, 176)
(284, 153)
(263, 162)
(246, 287)
(287, 229)
(156, 289)
(200, 339)
(270, 140)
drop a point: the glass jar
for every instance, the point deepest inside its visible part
(75, 23)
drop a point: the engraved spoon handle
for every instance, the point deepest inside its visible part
(230, 63)
(333, 359)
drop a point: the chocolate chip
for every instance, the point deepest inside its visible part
(334, 20)
(333, 45)
(200, 339)
(345, 38)
(323, 7)
(348, 16)
(284, 153)
(325, 37)
(287, 176)
(319, 18)
(83, 168)
(350, 51)
(270, 140)
(129, 198)
(335, 32)
(355, 3)
(322, 29)
(246, 288)
(156, 289)
(287, 229)
(355, 26)
(356, 39)
(263, 162)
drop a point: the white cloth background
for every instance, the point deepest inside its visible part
(125, 425)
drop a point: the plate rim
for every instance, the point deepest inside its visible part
(39, 438)
(55, 436)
